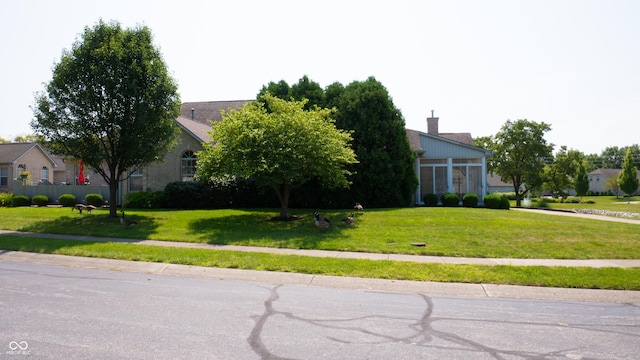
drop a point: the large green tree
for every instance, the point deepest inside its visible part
(111, 103)
(282, 148)
(628, 177)
(581, 181)
(385, 175)
(559, 176)
(520, 153)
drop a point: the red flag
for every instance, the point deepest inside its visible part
(81, 174)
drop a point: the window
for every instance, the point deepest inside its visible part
(45, 174)
(135, 181)
(188, 166)
(4, 176)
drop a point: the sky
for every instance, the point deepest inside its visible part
(572, 64)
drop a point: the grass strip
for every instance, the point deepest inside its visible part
(457, 232)
(563, 277)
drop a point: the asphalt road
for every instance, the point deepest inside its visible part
(63, 312)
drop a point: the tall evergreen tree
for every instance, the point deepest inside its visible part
(385, 175)
(581, 181)
(310, 90)
(628, 178)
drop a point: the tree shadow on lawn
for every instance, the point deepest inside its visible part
(99, 225)
(258, 229)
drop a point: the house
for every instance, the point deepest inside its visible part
(496, 185)
(180, 163)
(28, 163)
(598, 180)
(447, 162)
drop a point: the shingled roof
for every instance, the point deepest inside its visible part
(203, 111)
(197, 129)
(11, 153)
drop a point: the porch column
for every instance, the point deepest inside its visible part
(484, 179)
(418, 194)
(450, 175)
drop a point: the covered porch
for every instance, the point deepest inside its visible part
(444, 165)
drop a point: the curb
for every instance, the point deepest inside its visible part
(431, 288)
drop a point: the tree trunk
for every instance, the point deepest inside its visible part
(284, 201)
(516, 189)
(113, 201)
(283, 196)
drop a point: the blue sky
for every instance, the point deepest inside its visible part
(573, 64)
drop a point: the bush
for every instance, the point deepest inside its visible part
(40, 200)
(6, 199)
(144, 199)
(184, 195)
(67, 200)
(495, 201)
(450, 199)
(509, 195)
(430, 199)
(470, 200)
(94, 199)
(21, 200)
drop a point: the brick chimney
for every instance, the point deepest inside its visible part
(432, 125)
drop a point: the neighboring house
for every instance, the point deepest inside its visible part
(447, 163)
(27, 162)
(180, 163)
(40, 170)
(496, 185)
(598, 179)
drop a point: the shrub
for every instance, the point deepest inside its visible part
(470, 200)
(430, 199)
(509, 195)
(450, 199)
(184, 195)
(495, 201)
(40, 200)
(6, 199)
(67, 200)
(144, 199)
(21, 200)
(94, 199)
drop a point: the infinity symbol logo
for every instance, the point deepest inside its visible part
(22, 345)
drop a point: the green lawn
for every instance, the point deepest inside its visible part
(604, 278)
(446, 231)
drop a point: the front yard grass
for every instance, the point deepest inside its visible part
(460, 232)
(445, 231)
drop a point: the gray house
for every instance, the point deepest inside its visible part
(447, 163)
(598, 180)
